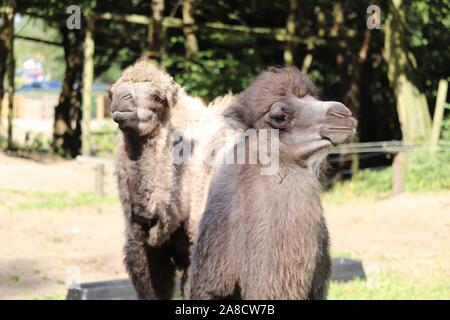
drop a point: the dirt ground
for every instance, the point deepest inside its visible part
(43, 247)
(407, 234)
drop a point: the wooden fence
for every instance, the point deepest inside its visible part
(399, 151)
(41, 105)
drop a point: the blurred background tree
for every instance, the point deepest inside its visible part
(347, 61)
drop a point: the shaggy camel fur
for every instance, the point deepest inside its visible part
(162, 200)
(264, 236)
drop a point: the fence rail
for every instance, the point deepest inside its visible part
(394, 146)
(398, 149)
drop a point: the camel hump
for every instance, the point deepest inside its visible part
(220, 103)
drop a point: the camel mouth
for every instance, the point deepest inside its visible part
(329, 140)
(123, 115)
(337, 135)
(341, 114)
(340, 129)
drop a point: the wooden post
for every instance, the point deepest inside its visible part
(100, 103)
(191, 44)
(99, 179)
(154, 50)
(88, 78)
(11, 68)
(439, 112)
(290, 30)
(398, 173)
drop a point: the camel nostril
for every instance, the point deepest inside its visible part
(338, 110)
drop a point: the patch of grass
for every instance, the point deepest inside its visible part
(373, 184)
(25, 199)
(14, 279)
(61, 282)
(45, 278)
(52, 296)
(389, 286)
(104, 139)
(428, 172)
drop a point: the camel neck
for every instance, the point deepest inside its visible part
(136, 146)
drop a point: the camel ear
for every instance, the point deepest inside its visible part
(234, 116)
(172, 96)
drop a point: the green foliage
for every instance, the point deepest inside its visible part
(428, 38)
(445, 131)
(214, 72)
(426, 172)
(3, 141)
(36, 142)
(429, 172)
(365, 183)
(104, 139)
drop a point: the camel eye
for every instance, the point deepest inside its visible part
(157, 98)
(279, 120)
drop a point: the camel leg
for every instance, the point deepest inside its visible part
(137, 266)
(162, 271)
(151, 269)
(180, 250)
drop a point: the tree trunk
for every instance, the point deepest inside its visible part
(341, 45)
(352, 96)
(88, 79)
(67, 121)
(337, 31)
(4, 49)
(188, 29)
(412, 107)
(11, 70)
(155, 37)
(289, 50)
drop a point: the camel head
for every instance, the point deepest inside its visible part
(141, 98)
(284, 99)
